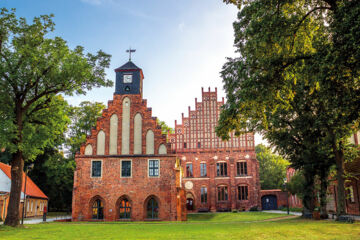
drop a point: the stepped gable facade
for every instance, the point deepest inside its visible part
(125, 170)
(218, 175)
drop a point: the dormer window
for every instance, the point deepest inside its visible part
(127, 78)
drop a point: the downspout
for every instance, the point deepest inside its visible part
(357, 191)
(4, 208)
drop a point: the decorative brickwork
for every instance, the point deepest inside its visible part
(218, 175)
(127, 186)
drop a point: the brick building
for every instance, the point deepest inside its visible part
(218, 175)
(294, 201)
(352, 184)
(124, 170)
(35, 200)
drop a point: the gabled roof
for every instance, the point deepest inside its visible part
(31, 188)
(127, 66)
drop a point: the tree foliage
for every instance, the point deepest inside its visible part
(272, 168)
(34, 69)
(83, 119)
(297, 72)
(296, 185)
(54, 175)
(165, 129)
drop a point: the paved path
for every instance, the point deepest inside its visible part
(283, 212)
(40, 220)
(48, 219)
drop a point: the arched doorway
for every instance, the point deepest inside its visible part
(269, 202)
(190, 202)
(125, 209)
(152, 209)
(97, 209)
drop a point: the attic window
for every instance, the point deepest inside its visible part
(127, 89)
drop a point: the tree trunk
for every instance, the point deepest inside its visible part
(308, 195)
(340, 208)
(17, 166)
(339, 158)
(323, 191)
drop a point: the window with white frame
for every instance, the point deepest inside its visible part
(125, 168)
(153, 168)
(96, 168)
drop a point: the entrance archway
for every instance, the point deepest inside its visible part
(152, 208)
(269, 202)
(98, 209)
(190, 202)
(124, 208)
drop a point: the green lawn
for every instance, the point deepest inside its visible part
(200, 226)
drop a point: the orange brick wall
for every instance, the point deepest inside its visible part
(139, 187)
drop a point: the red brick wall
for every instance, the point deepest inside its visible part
(138, 105)
(111, 187)
(197, 132)
(232, 181)
(280, 196)
(294, 201)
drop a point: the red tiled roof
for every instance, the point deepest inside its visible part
(31, 188)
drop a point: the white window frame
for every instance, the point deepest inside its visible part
(96, 160)
(131, 168)
(148, 168)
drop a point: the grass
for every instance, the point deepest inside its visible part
(291, 209)
(232, 217)
(200, 226)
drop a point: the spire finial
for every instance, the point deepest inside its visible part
(130, 51)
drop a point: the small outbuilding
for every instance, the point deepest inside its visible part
(35, 199)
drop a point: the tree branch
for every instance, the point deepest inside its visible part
(303, 19)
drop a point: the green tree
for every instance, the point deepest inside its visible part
(296, 185)
(83, 119)
(54, 175)
(34, 69)
(284, 44)
(165, 129)
(272, 168)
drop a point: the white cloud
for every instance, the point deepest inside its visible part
(93, 2)
(181, 26)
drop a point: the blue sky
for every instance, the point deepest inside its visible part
(181, 45)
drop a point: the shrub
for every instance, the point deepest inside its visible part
(254, 209)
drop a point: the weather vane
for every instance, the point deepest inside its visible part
(130, 51)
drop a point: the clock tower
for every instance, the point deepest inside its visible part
(129, 79)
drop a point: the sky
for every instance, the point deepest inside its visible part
(181, 45)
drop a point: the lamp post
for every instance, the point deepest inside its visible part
(25, 196)
(287, 196)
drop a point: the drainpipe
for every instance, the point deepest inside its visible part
(4, 207)
(357, 191)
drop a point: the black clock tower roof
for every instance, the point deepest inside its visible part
(127, 66)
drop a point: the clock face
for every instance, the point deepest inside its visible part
(128, 78)
(189, 185)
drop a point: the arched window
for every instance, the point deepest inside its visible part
(138, 134)
(162, 149)
(150, 142)
(125, 209)
(98, 209)
(125, 135)
(100, 148)
(152, 209)
(88, 150)
(113, 134)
